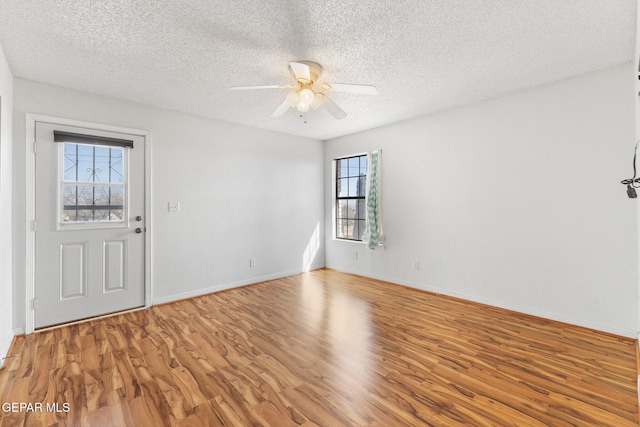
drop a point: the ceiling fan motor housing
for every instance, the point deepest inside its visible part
(315, 71)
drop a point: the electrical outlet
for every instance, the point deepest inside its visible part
(355, 255)
(416, 265)
(174, 207)
(252, 262)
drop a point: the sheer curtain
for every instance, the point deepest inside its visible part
(373, 234)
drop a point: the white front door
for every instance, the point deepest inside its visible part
(89, 208)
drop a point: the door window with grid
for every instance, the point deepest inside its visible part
(93, 185)
(351, 176)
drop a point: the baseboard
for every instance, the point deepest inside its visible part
(5, 346)
(473, 298)
(225, 286)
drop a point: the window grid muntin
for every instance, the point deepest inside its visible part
(356, 173)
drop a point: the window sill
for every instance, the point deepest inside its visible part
(381, 247)
(355, 242)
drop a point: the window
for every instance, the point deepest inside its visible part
(351, 175)
(93, 180)
(93, 183)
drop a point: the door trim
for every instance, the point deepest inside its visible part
(31, 120)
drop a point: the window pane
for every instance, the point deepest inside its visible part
(101, 162)
(349, 229)
(343, 187)
(354, 166)
(362, 186)
(69, 196)
(84, 195)
(342, 209)
(107, 215)
(351, 208)
(116, 174)
(85, 163)
(117, 196)
(341, 229)
(93, 163)
(70, 162)
(92, 203)
(102, 196)
(108, 164)
(108, 196)
(363, 165)
(101, 215)
(116, 215)
(363, 224)
(362, 212)
(85, 215)
(344, 168)
(69, 215)
(353, 187)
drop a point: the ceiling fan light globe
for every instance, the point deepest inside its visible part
(318, 99)
(302, 107)
(293, 99)
(306, 96)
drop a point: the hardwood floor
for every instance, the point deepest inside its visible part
(322, 348)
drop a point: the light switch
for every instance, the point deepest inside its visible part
(174, 206)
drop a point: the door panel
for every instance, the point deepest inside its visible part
(115, 265)
(89, 260)
(73, 271)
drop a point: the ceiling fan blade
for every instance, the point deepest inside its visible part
(300, 71)
(333, 109)
(349, 88)
(280, 110)
(258, 87)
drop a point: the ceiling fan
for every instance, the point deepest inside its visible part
(308, 93)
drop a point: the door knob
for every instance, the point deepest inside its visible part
(138, 230)
(138, 218)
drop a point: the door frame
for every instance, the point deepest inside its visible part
(30, 187)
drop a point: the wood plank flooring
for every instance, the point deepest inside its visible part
(322, 349)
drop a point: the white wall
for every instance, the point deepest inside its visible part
(244, 193)
(515, 202)
(6, 239)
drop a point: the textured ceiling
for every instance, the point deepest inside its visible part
(423, 56)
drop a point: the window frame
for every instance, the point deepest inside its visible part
(359, 217)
